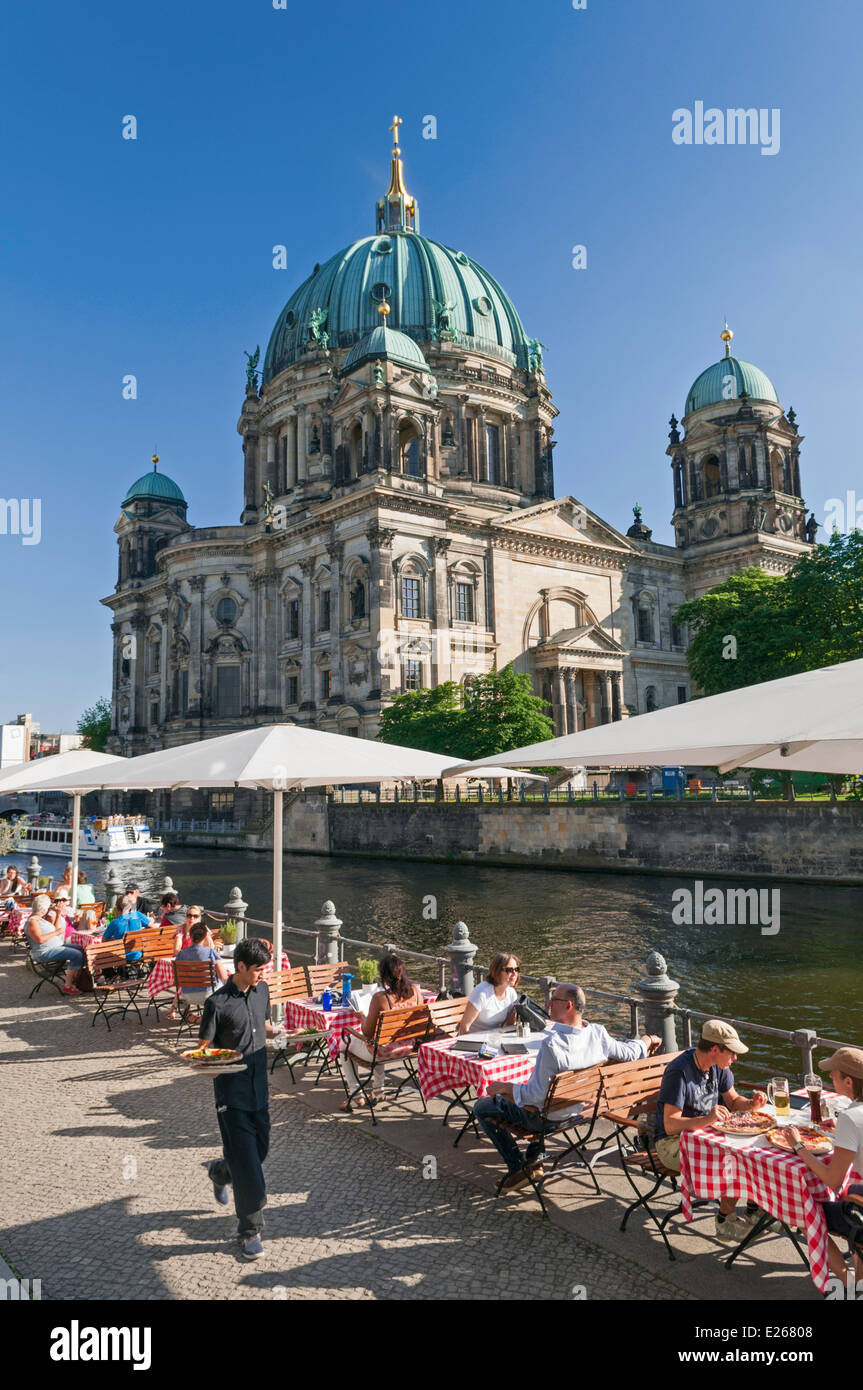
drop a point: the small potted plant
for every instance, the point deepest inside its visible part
(229, 938)
(367, 970)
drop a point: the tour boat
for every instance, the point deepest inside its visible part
(97, 839)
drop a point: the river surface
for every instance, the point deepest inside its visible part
(596, 929)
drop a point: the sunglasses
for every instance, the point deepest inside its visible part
(193, 916)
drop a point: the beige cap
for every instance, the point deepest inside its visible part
(716, 1030)
(848, 1060)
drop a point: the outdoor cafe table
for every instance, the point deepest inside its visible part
(440, 1068)
(713, 1164)
(161, 977)
(335, 1022)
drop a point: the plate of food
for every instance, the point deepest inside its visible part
(211, 1056)
(746, 1123)
(811, 1139)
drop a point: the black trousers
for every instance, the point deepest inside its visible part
(245, 1144)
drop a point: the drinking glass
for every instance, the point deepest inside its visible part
(813, 1084)
(779, 1096)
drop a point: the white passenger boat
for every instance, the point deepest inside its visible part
(97, 839)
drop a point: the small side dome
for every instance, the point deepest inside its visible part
(727, 380)
(389, 345)
(154, 486)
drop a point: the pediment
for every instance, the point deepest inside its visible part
(589, 640)
(564, 519)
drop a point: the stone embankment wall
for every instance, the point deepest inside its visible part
(808, 841)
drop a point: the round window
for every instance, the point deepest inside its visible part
(482, 305)
(381, 291)
(462, 258)
(383, 246)
(226, 611)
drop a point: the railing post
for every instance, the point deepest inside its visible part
(549, 985)
(521, 793)
(805, 1040)
(34, 869)
(112, 888)
(167, 884)
(659, 993)
(327, 927)
(595, 792)
(236, 908)
(462, 954)
(458, 792)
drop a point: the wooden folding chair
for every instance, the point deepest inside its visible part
(446, 1016)
(631, 1092)
(398, 1034)
(112, 956)
(579, 1087)
(195, 975)
(285, 985)
(154, 943)
(321, 977)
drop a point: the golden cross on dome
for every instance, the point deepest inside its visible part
(397, 121)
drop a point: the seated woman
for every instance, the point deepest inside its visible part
(85, 893)
(397, 992)
(201, 948)
(48, 942)
(492, 1004)
(846, 1074)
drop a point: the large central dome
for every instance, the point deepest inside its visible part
(431, 289)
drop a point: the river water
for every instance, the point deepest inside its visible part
(596, 929)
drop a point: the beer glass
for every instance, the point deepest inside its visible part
(779, 1097)
(813, 1084)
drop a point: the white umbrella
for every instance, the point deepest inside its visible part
(812, 722)
(76, 771)
(276, 758)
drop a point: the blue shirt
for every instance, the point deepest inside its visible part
(693, 1091)
(127, 921)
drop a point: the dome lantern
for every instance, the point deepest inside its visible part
(397, 211)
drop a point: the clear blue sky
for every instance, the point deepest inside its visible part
(259, 126)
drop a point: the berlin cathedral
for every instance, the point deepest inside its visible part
(400, 527)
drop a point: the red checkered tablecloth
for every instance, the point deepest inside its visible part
(83, 939)
(305, 1013)
(714, 1165)
(161, 977)
(440, 1069)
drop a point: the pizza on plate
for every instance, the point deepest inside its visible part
(747, 1122)
(810, 1138)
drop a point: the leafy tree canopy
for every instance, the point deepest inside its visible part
(497, 712)
(95, 725)
(755, 627)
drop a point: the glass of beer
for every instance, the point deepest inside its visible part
(813, 1086)
(779, 1097)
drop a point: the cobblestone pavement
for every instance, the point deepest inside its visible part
(106, 1137)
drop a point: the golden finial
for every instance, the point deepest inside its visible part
(154, 460)
(726, 335)
(397, 121)
(384, 310)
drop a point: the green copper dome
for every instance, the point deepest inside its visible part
(385, 343)
(433, 292)
(154, 486)
(725, 381)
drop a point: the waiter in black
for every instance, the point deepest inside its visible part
(237, 1016)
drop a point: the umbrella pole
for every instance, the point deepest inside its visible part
(76, 826)
(278, 851)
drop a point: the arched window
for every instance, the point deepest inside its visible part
(645, 626)
(409, 449)
(777, 471)
(411, 596)
(226, 611)
(712, 476)
(650, 699)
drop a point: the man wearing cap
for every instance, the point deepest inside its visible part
(846, 1073)
(689, 1098)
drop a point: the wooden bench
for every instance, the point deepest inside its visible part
(154, 943)
(112, 956)
(285, 985)
(631, 1092)
(398, 1034)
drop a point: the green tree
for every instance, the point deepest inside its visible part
(95, 725)
(499, 711)
(755, 627)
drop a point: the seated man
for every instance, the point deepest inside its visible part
(127, 920)
(689, 1099)
(570, 1045)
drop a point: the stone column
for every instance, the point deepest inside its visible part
(307, 677)
(559, 703)
(138, 710)
(572, 701)
(616, 696)
(482, 449)
(302, 444)
(271, 473)
(384, 656)
(605, 689)
(117, 630)
(441, 660)
(196, 624)
(335, 552)
(164, 618)
(291, 452)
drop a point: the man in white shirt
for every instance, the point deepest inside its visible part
(569, 1045)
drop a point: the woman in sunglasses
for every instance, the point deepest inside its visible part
(492, 1004)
